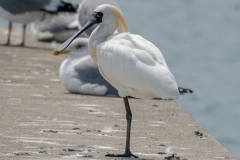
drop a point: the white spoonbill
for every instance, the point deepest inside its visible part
(133, 65)
(27, 11)
(79, 74)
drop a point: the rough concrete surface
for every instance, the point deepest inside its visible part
(39, 119)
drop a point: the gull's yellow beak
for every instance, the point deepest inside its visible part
(57, 53)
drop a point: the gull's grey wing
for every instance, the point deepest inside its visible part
(88, 72)
(22, 6)
(86, 8)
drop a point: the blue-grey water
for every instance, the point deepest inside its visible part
(200, 40)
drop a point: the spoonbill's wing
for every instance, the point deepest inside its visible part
(135, 67)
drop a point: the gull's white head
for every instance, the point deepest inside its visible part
(77, 48)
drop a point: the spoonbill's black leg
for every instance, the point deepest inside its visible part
(127, 152)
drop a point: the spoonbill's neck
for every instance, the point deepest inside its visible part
(100, 34)
(112, 20)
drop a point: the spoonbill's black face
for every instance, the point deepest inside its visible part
(97, 16)
(96, 19)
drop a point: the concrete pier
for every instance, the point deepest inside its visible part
(39, 119)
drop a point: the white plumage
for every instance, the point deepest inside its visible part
(135, 67)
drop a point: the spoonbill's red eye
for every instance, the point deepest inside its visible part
(99, 14)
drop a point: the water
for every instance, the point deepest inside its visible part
(200, 41)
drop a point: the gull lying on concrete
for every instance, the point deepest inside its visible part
(79, 74)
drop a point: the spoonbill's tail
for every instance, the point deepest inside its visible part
(184, 90)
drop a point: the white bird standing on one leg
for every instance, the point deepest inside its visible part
(79, 74)
(133, 65)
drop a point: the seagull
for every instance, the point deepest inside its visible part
(130, 63)
(79, 74)
(85, 10)
(27, 11)
(55, 27)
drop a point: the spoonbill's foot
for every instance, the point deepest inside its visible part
(129, 154)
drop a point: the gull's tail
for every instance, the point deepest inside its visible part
(184, 90)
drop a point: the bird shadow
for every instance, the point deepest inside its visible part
(38, 48)
(107, 96)
(116, 158)
(29, 47)
(104, 96)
